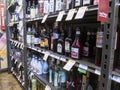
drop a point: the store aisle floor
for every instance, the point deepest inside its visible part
(8, 82)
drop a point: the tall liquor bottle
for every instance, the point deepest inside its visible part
(60, 42)
(28, 9)
(99, 44)
(76, 49)
(55, 37)
(68, 43)
(33, 10)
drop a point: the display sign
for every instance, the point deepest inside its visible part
(103, 10)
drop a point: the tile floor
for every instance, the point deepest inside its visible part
(8, 82)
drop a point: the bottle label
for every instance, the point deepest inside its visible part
(68, 4)
(58, 5)
(85, 2)
(59, 48)
(56, 79)
(41, 7)
(32, 14)
(75, 53)
(51, 6)
(55, 36)
(46, 6)
(46, 42)
(36, 40)
(77, 3)
(32, 39)
(99, 41)
(28, 39)
(67, 46)
(85, 51)
(63, 77)
(42, 44)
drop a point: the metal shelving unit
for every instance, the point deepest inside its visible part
(104, 71)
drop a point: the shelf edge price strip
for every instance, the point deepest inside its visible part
(81, 12)
(46, 56)
(70, 14)
(83, 66)
(60, 16)
(44, 18)
(69, 65)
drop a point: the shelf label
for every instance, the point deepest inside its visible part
(15, 43)
(18, 44)
(116, 78)
(81, 12)
(44, 18)
(15, 61)
(82, 70)
(46, 56)
(70, 14)
(83, 66)
(97, 72)
(19, 65)
(63, 59)
(69, 65)
(12, 69)
(60, 16)
(47, 87)
(55, 56)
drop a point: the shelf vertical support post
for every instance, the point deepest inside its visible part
(110, 29)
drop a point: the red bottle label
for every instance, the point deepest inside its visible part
(75, 53)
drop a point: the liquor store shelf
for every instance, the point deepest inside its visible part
(90, 8)
(83, 64)
(44, 80)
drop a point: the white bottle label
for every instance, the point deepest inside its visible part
(36, 40)
(55, 36)
(28, 39)
(85, 51)
(51, 6)
(75, 53)
(86, 2)
(77, 3)
(46, 6)
(67, 46)
(99, 39)
(59, 48)
(58, 5)
(67, 4)
(33, 12)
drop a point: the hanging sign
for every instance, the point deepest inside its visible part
(103, 10)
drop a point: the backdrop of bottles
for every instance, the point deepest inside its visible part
(37, 8)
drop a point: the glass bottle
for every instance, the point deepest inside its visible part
(76, 48)
(33, 10)
(28, 9)
(99, 43)
(68, 43)
(60, 42)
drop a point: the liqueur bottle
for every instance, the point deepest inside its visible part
(76, 49)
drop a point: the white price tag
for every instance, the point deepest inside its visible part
(69, 65)
(44, 18)
(97, 72)
(15, 61)
(46, 56)
(15, 43)
(12, 69)
(47, 88)
(21, 45)
(60, 16)
(81, 12)
(116, 78)
(63, 59)
(70, 14)
(18, 44)
(19, 65)
(83, 66)
(12, 58)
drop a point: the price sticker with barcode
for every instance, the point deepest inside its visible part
(44, 18)
(70, 14)
(81, 12)
(83, 66)
(60, 16)
(97, 72)
(46, 56)
(69, 65)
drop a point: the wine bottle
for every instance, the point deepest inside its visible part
(99, 44)
(68, 43)
(76, 49)
(33, 10)
(28, 9)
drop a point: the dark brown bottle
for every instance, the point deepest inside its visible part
(60, 42)
(76, 49)
(68, 43)
(54, 38)
(99, 44)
